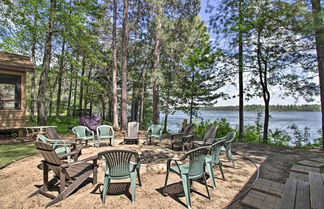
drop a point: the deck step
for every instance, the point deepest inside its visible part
(304, 169)
(269, 187)
(259, 200)
(319, 159)
(316, 181)
(299, 176)
(296, 195)
(310, 163)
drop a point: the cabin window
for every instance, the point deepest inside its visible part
(10, 92)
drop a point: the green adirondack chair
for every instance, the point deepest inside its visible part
(105, 132)
(59, 146)
(227, 147)
(214, 159)
(119, 165)
(154, 131)
(194, 169)
(83, 133)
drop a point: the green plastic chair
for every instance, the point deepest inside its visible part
(119, 165)
(227, 147)
(83, 133)
(59, 146)
(154, 131)
(105, 132)
(214, 159)
(192, 170)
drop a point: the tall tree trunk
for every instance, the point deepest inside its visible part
(75, 95)
(68, 113)
(143, 90)
(81, 85)
(156, 66)
(165, 122)
(60, 75)
(134, 99)
(192, 97)
(51, 96)
(241, 93)
(319, 40)
(124, 66)
(114, 69)
(41, 103)
(86, 97)
(264, 86)
(33, 74)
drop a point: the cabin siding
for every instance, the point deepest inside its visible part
(14, 119)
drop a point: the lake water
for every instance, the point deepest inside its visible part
(280, 120)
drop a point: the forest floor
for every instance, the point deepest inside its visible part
(20, 178)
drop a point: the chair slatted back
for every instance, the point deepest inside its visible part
(210, 133)
(50, 156)
(105, 130)
(215, 151)
(51, 133)
(80, 131)
(155, 129)
(189, 129)
(133, 128)
(197, 160)
(118, 162)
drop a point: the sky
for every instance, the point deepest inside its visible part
(276, 99)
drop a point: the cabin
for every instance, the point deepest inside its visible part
(13, 70)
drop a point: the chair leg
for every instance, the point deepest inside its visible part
(138, 175)
(133, 186)
(105, 189)
(206, 185)
(221, 169)
(211, 174)
(230, 157)
(166, 182)
(186, 189)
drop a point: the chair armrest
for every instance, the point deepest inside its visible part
(93, 158)
(176, 136)
(69, 154)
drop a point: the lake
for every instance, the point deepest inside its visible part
(280, 120)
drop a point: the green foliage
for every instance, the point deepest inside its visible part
(12, 152)
(223, 128)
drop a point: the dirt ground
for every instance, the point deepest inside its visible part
(22, 177)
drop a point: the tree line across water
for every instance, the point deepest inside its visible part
(132, 59)
(273, 108)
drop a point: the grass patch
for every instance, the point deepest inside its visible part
(12, 152)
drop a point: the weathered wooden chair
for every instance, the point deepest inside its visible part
(210, 134)
(119, 165)
(213, 159)
(183, 139)
(68, 176)
(227, 147)
(132, 133)
(194, 169)
(154, 131)
(83, 133)
(105, 132)
(60, 147)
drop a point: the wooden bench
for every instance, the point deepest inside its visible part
(303, 195)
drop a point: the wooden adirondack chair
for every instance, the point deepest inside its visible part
(183, 139)
(213, 159)
(194, 169)
(132, 133)
(154, 131)
(208, 138)
(83, 133)
(105, 132)
(68, 176)
(119, 165)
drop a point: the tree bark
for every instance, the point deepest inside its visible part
(33, 73)
(75, 95)
(156, 66)
(114, 70)
(319, 41)
(41, 103)
(81, 86)
(51, 96)
(68, 113)
(86, 97)
(241, 92)
(60, 75)
(124, 66)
